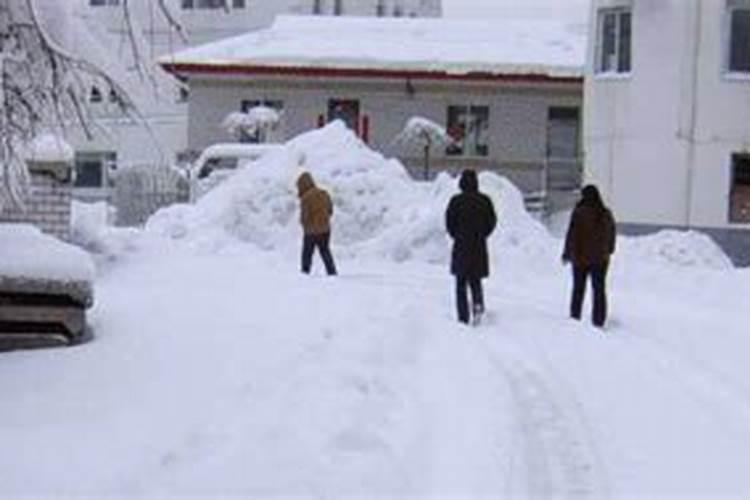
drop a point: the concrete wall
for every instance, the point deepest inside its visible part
(659, 140)
(518, 113)
(47, 207)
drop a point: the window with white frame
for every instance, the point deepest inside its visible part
(739, 36)
(468, 126)
(92, 168)
(212, 4)
(614, 40)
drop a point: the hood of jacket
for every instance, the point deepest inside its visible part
(305, 183)
(469, 182)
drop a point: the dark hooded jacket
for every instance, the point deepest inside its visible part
(315, 206)
(470, 219)
(591, 235)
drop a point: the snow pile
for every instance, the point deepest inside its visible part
(675, 248)
(50, 148)
(379, 210)
(28, 253)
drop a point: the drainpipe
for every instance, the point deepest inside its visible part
(693, 112)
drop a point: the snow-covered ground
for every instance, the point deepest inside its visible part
(219, 370)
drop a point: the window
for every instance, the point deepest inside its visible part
(211, 4)
(95, 96)
(338, 7)
(318, 7)
(91, 168)
(263, 134)
(614, 40)
(103, 3)
(739, 198)
(346, 110)
(469, 127)
(739, 36)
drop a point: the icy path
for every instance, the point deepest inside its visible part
(229, 374)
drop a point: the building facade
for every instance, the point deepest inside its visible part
(522, 118)
(667, 94)
(162, 139)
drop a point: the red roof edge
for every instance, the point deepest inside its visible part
(184, 69)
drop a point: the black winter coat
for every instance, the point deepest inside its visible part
(470, 219)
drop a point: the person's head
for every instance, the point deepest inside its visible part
(305, 183)
(590, 196)
(469, 182)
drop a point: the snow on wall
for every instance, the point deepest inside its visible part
(380, 211)
(50, 148)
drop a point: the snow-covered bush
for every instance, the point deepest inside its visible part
(258, 122)
(422, 136)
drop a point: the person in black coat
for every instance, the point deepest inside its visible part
(589, 245)
(470, 219)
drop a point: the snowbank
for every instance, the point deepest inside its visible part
(379, 209)
(29, 254)
(677, 248)
(381, 212)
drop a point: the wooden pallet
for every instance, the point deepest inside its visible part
(42, 314)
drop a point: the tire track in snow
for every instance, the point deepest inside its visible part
(559, 460)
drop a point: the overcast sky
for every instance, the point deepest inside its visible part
(575, 10)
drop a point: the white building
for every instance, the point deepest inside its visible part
(120, 141)
(508, 92)
(667, 113)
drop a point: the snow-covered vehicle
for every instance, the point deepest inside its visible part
(220, 160)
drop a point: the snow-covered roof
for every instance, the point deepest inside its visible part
(453, 47)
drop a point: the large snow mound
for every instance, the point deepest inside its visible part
(28, 253)
(380, 211)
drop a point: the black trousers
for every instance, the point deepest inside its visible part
(598, 275)
(321, 242)
(462, 300)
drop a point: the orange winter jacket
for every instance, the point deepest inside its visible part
(316, 207)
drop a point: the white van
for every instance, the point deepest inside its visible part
(218, 161)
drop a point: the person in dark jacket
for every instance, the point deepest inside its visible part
(470, 219)
(316, 210)
(589, 244)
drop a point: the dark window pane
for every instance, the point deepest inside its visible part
(338, 7)
(623, 56)
(608, 38)
(187, 4)
(739, 53)
(456, 130)
(89, 174)
(238, 4)
(739, 205)
(345, 110)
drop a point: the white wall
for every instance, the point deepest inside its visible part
(659, 141)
